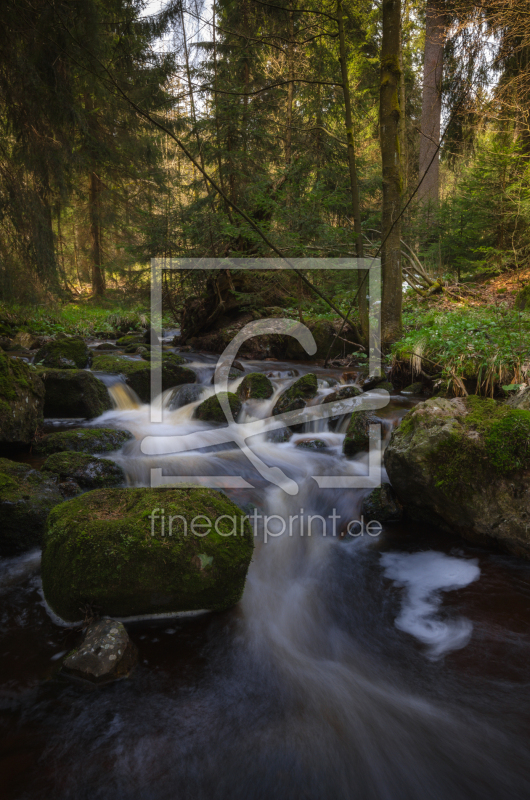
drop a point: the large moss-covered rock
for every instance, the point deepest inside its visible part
(87, 471)
(138, 373)
(357, 439)
(255, 386)
(106, 550)
(210, 409)
(83, 440)
(74, 393)
(26, 499)
(65, 353)
(464, 465)
(21, 401)
(130, 338)
(296, 397)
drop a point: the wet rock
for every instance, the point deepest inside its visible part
(64, 353)
(130, 338)
(210, 410)
(296, 397)
(138, 373)
(21, 401)
(108, 346)
(414, 388)
(521, 399)
(106, 653)
(69, 488)
(382, 505)
(106, 549)
(73, 393)
(151, 337)
(255, 386)
(88, 471)
(367, 384)
(463, 465)
(312, 444)
(357, 439)
(233, 375)
(280, 435)
(26, 498)
(186, 394)
(83, 440)
(387, 386)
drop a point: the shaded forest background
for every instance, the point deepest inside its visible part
(283, 105)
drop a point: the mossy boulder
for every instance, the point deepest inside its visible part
(73, 393)
(413, 388)
(130, 338)
(137, 374)
(255, 386)
(88, 471)
(382, 505)
(21, 401)
(312, 444)
(210, 409)
(65, 353)
(296, 397)
(357, 439)
(464, 466)
(83, 440)
(26, 498)
(106, 550)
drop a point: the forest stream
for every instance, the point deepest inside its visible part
(390, 667)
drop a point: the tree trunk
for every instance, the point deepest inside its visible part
(389, 119)
(431, 109)
(354, 185)
(98, 275)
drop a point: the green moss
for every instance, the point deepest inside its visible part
(99, 550)
(138, 373)
(210, 410)
(508, 442)
(21, 400)
(26, 498)
(130, 338)
(357, 437)
(256, 386)
(296, 397)
(88, 471)
(73, 393)
(83, 440)
(64, 353)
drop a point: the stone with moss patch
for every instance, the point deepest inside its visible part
(88, 471)
(413, 388)
(382, 505)
(65, 353)
(357, 439)
(21, 401)
(99, 550)
(297, 395)
(26, 498)
(83, 440)
(130, 338)
(255, 386)
(73, 393)
(210, 410)
(138, 374)
(463, 465)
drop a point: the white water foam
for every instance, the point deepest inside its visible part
(424, 576)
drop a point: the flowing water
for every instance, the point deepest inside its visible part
(390, 667)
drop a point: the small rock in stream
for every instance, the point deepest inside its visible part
(106, 653)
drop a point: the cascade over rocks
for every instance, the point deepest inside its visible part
(73, 393)
(464, 466)
(21, 401)
(105, 549)
(138, 373)
(26, 498)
